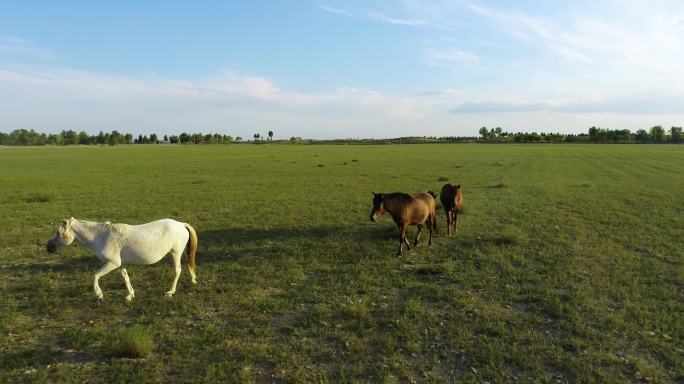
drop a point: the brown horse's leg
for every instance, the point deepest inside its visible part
(420, 229)
(408, 243)
(402, 231)
(448, 217)
(452, 227)
(403, 239)
(430, 228)
(455, 218)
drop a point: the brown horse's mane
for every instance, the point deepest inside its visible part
(396, 202)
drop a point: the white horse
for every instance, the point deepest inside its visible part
(119, 245)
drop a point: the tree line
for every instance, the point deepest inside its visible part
(70, 137)
(656, 134)
(31, 138)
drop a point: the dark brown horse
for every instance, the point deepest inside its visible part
(452, 200)
(406, 210)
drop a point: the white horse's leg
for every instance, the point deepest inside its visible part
(105, 269)
(177, 265)
(131, 293)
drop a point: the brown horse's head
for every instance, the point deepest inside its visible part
(378, 206)
(63, 237)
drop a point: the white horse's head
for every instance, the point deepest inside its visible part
(63, 237)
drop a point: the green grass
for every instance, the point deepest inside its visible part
(132, 342)
(567, 265)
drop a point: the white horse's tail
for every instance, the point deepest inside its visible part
(191, 249)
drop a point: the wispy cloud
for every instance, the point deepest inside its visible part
(647, 105)
(13, 47)
(335, 10)
(440, 54)
(395, 20)
(384, 16)
(498, 107)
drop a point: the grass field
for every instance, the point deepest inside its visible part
(567, 265)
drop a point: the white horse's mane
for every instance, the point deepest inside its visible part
(119, 228)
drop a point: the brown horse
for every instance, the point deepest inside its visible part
(452, 200)
(406, 210)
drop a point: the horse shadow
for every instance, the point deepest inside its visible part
(59, 263)
(235, 243)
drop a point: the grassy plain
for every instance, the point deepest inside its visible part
(567, 266)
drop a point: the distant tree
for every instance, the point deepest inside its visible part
(115, 138)
(676, 134)
(484, 132)
(184, 138)
(598, 134)
(154, 139)
(128, 138)
(227, 139)
(197, 138)
(257, 136)
(238, 139)
(270, 135)
(173, 139)
(642, 136)
(21, 137)
(57, 139)
(70, 137)
(166, 139)
(616, 135)
(657, 133)
(84, 138)
(100, 139)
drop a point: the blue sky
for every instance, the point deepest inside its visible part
(327, 69)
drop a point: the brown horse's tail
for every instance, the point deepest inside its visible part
(191, 250)
(433, 211)
(434, 221)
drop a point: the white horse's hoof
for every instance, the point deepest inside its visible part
(194, 281)
(169, 294)
(129, 298)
